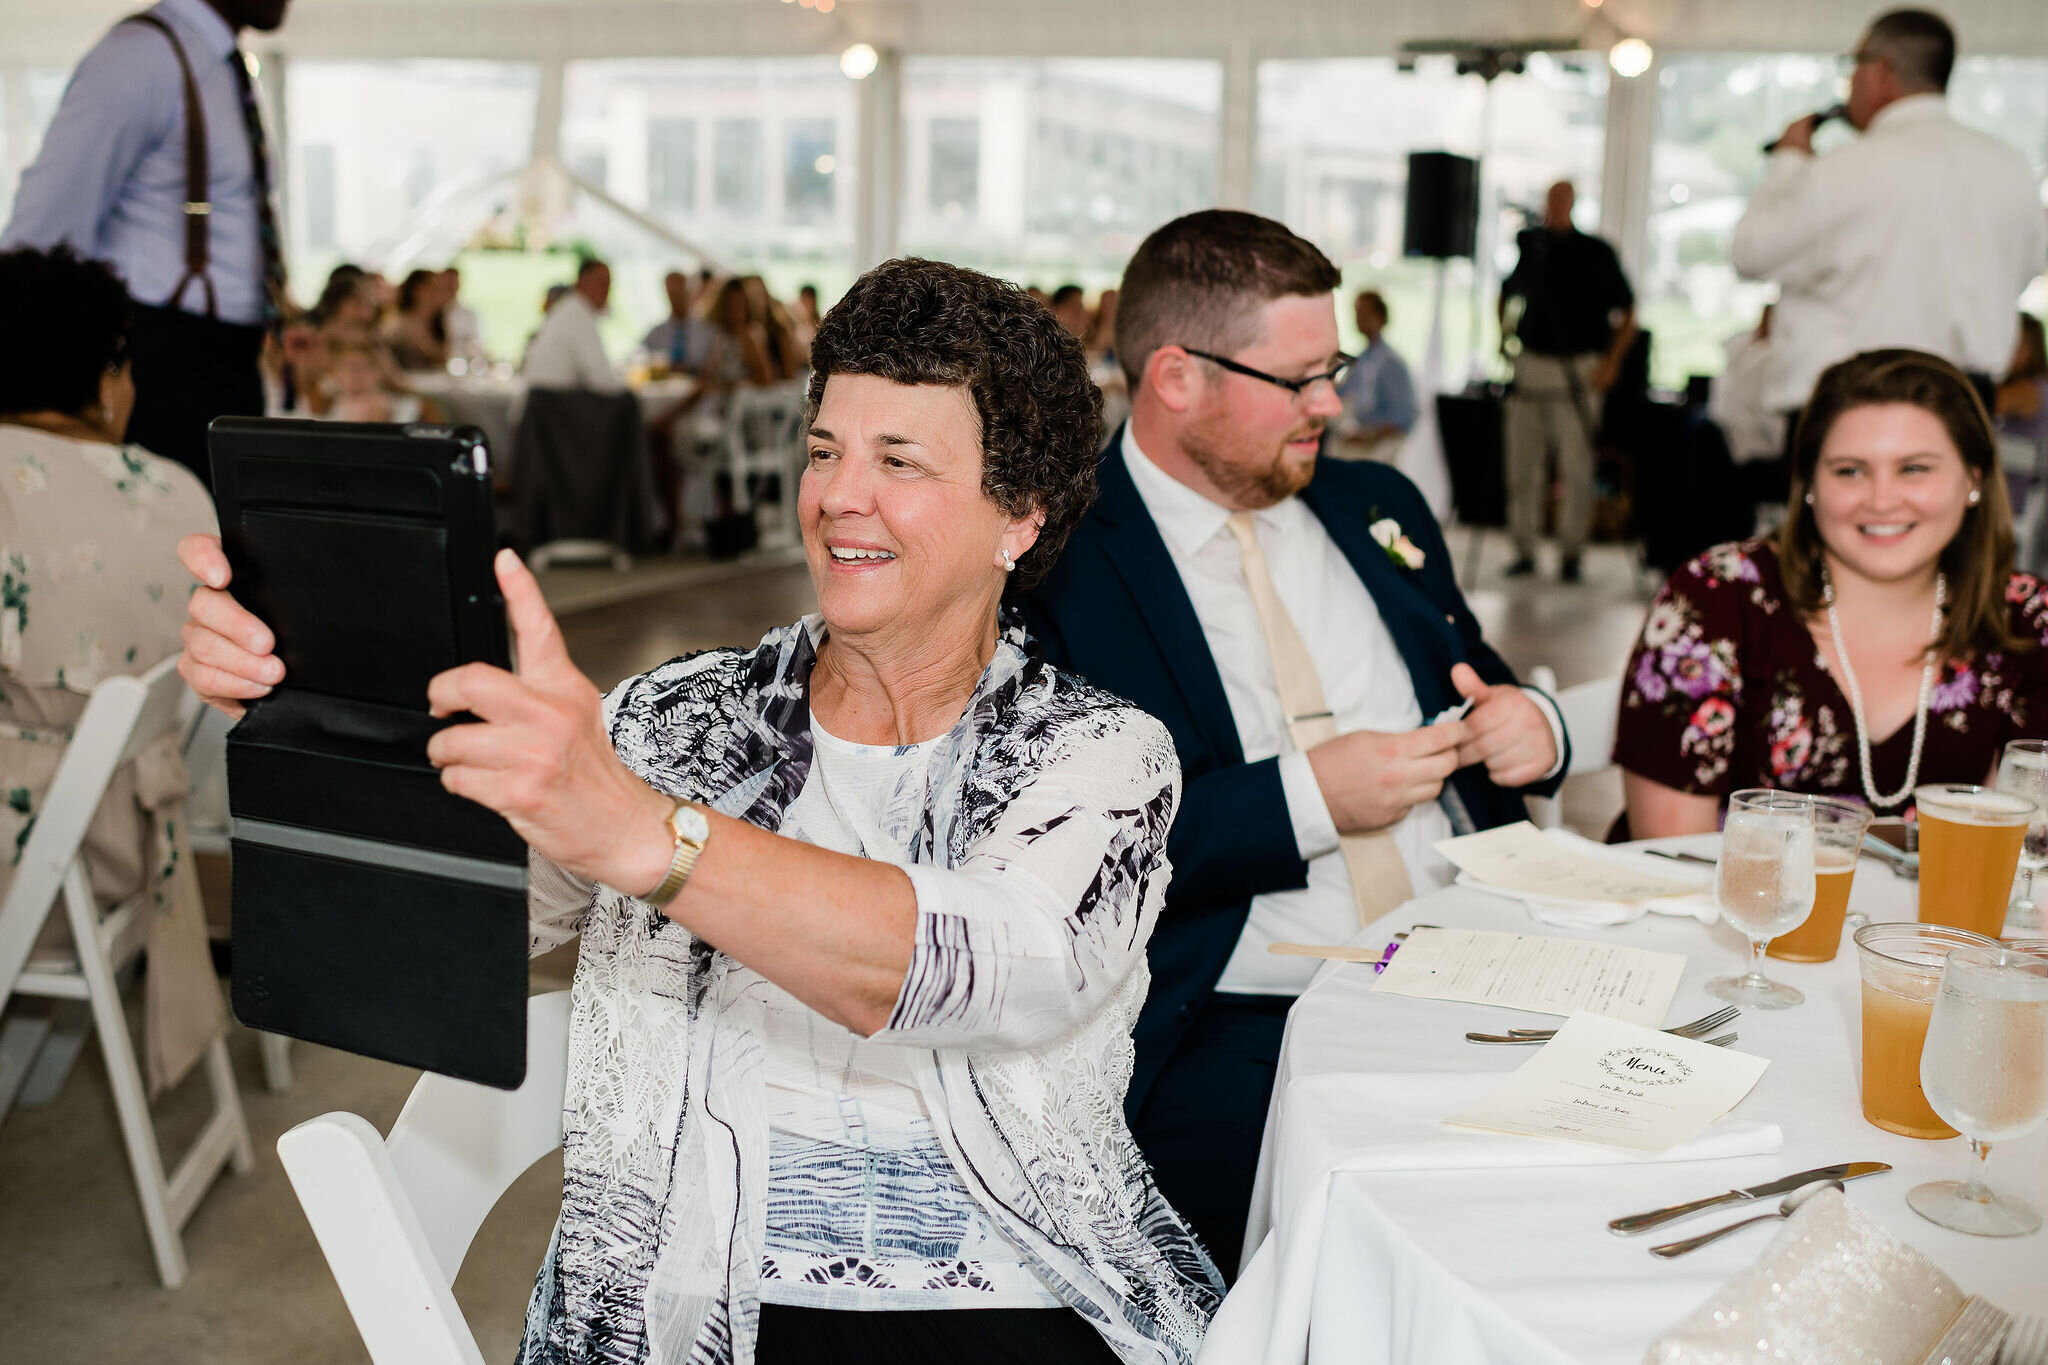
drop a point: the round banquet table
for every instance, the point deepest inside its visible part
(1422, 1260)
(492, 404)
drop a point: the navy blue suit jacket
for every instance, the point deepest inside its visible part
(1114, 610)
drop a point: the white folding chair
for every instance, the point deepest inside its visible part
(124, 716)
(395, 1216)
(1590, 710)
(764, 437)
(2030, 518)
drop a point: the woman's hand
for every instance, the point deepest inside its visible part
(228, 656)
(539, 754)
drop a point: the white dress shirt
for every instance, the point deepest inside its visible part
(110, 178)
(567, 352)
(1920, 233)
(1364, 679)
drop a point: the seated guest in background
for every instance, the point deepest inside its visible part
(1100, 342)
(742, 352)
(567, 352)
(1879, 641)
(1754, 430)
(357, 392)
(89, 529)
(864, 1046)
(1576, 324)
(1378, 393)
(770, 324)
(418, 331)
(1070, 306)
(458, 320)
(1295, 623)
(805, 315)
(682, 338)
(2023, 397)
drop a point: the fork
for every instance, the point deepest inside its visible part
(1705, 1024)
(1722, 1041)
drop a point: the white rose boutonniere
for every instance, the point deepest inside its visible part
(1399, 548)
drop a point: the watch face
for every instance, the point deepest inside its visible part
(689, 824)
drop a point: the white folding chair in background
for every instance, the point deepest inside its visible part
(395, 1216)
(207, 826)
(764, 438)
(124, 716)
(1590, 710)
(2030, 518)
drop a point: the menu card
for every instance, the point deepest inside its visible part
(1614, 1084)
(1532, 972)
(1518, 858)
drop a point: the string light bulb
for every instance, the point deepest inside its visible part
(1630, 57)
(858, 62)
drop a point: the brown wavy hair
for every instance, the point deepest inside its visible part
(915, 321)
(1978, 560)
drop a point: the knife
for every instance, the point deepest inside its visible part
(1643, 1222)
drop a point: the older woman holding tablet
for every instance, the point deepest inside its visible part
(864, 908)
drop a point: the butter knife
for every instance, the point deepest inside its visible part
(1643, 1222)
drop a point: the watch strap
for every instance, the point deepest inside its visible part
(679, 866)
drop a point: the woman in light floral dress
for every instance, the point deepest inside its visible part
(90, 588)
(1898, 551)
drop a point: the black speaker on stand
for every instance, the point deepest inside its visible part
(1442, 218)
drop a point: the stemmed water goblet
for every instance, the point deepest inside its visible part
(1984, 1070)
(2023, 771)
(1763, 884)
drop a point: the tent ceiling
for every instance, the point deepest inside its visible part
(55, 31)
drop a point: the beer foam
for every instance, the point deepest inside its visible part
(1827, 859)
(1976, 808)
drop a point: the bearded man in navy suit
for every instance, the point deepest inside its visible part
(1295, 623)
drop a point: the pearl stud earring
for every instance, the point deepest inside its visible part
(1009, 564)
(1975, 494)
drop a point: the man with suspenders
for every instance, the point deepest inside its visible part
(156, 163)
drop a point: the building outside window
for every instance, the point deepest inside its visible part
(672, 164)
(810, 165)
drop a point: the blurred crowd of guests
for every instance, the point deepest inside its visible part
(347, 356)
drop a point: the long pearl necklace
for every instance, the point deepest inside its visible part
(1856, 693)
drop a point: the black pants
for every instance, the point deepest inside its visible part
(1202, 1121)
(188, 371)
(982, 1336)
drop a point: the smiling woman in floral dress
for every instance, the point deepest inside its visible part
(1879, 641)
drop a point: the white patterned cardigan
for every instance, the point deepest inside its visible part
(1020, 1022)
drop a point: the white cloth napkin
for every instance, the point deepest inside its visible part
(1339, 1122)
(1575, 914)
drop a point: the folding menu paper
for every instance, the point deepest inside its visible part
(1517, 858)
(1614, 1084)
(1531, 972)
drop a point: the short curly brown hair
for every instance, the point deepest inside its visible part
(915, 321)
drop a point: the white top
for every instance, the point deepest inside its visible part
(1364, 679)
(1919, 233)
(865, 1211)
(110, 178)
(1755, 430)
(567, 352)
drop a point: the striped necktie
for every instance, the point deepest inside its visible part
(274, 295)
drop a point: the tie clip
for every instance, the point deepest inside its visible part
(1313, 715)
(198, 208)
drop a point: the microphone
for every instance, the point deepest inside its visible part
(1832, 112)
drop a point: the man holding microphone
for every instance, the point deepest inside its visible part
(1920, 233)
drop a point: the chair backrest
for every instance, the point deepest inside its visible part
(395, 1218)
(764, 421)
(1590, 711)
(124, 716)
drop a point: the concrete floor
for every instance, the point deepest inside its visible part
(76, 1280)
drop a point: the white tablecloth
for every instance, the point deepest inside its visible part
(492, 404)
(1441, 1262)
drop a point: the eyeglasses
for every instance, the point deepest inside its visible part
(1333, 377)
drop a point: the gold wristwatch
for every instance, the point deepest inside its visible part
(691, 830)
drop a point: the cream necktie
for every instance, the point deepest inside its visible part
(1379, 879)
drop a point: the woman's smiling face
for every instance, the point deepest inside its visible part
(1890, 490)
(899, 535)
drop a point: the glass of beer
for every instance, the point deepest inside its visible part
(1901, 966)
(1985, 1070)
(2023, 771)
(1970, 840)
(1837, 842)
(1763, 884)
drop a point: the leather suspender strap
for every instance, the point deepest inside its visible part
(198, 208)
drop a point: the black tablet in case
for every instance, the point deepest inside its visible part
(373, 911)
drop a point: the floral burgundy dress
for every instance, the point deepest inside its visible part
(1726, 690)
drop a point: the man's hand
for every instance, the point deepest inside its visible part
(1798, 135)
(228, 656)
(1370, 780)
(1505, 730)
(539, 755)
